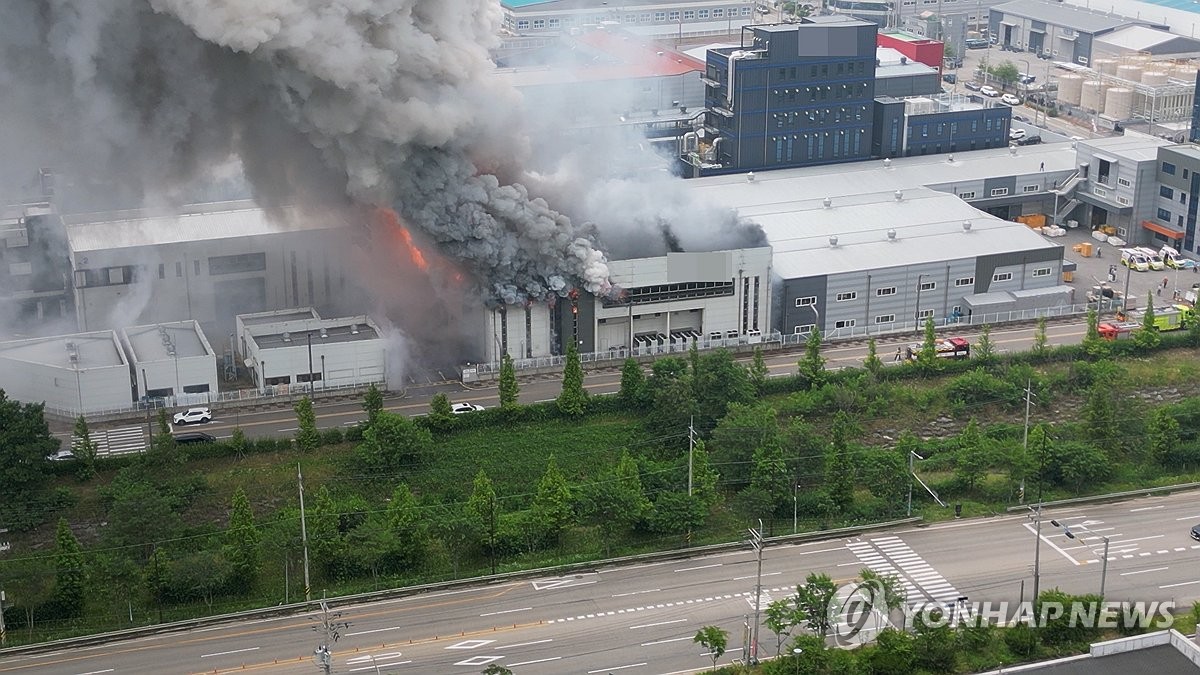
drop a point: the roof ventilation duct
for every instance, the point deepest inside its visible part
(287, 337)
(833, 242)
(750, 177)
(891, 235)
(887, 163)
(899, 195)
(966, 226)
(827, 202)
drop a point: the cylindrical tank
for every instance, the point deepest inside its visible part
(1069, 88)
(1091, 96)
(1131, 72)
(1118, 103)
(1106, 66)
(1184, 72)
(1154, 77)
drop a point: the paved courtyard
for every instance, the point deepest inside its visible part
(1094, 271)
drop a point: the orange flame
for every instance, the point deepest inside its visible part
(391, 219)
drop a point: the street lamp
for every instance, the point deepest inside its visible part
(796, 653)
(795, 491)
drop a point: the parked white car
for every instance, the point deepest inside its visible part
(989, 91)
(1010, 99)
(193, 416)
(1016, 134)
(464, 408)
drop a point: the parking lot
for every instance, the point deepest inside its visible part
(1095, 271)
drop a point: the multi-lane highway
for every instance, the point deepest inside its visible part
(640, 619)
(282, 422)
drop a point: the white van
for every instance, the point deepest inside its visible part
(1134, 259)
(1156, 260)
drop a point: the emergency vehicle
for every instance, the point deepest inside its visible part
(1112, 330)
(946, 348)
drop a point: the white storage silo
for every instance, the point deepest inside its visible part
(1105, 66)
(1091, 96)
(1118, 103)
(1154, 78)
(1131, 72)
(1069, 88)
(1185, 72)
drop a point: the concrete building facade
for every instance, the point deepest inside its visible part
(1055, 30)
(285, 348)
(76, 374)
(655, 18)
(1117, 185)
(941, 124)
(1178, 183)
(34, 274)
(171, 360)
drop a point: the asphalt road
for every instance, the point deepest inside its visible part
(282, 422)
(641, 618)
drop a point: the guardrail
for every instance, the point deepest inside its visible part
(1144, 492)
(374, 596)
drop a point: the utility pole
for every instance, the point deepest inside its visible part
(332, 632)
(146, 398)
(3, 633)
(303, 535)
(912, 475)
(1025, 443)
(691, 448)
(310, 370)
(1037, 551)
(756, 540)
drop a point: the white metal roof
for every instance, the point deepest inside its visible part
(1139, 38)
(1133, 145)
(97, 349)
(141, 230)
(928, 226)
(185, 338)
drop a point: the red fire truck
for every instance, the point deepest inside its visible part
(946, 348)
(1117, 330)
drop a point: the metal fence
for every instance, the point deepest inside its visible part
(776, 340)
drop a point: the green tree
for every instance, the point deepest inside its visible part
(935, 645)
(973, 456)
(616, 502)
(704, 477)
(307, 436)
(812, 366)
(1098, 414)
(324, 533)
(893, 653)
(886, 473)
(872, 362)
(484, 508)
(441, 416)
(1006, 72)
(890, 594)
(409, 540)
(633, 383)
(671, 397)
(70, 571)
(162, 447)
(241, 543)
(25, 442)
(372, 403)
(1193, 329)
(393, 442)
(573, 398)
(1147, 337)
(237, 442)
(508, 382)
(758, 369)
(552, 510)
(780, 615)
(839, 470)
(1093, 345)
(770, 483)
(720, 383)
(1039, 338)
(84, 449)
(1163, 434)
(815, 606)
(927, 357)
(714, 640)
(985, 350)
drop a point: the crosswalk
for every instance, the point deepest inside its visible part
(889, 556)
(119, 441)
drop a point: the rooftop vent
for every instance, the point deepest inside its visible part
(827, 202)
(1012, 149)
(966, 226)
(833, 242)
(899, 195)
(950, 158)
(891, 235)
(287, 337)
(324, 333)
(354, 329)
(887, 163)
(750, 177)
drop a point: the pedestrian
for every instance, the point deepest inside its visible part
(1159, 290)
(898, 358)
(1165, 282)
(1042, 167)
(1099, 253)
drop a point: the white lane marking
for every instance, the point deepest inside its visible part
(1155, 569)
(525, 644)
(236, 651)
(1188, 518)
(702, 567)
(526, 663)
(660, 623)
(377, 666)
(1126, 541)
(373, 657)
(638, 567)
(765, 574)
(507, 611)
(374, 630)
(286, 430)
(824, 550)
(1182, 583)
(604, 670)
(652, 590)
(849, 564)
(663, 642)
(1147, 508)
(97, 672)
(1052, 545)
(546, 400)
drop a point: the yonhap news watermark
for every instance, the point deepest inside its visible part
(860, 610)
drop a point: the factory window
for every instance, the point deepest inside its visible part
(718, 13)
(885, 318)
(1041, 272)
(667, 292)
(116, 275)
(539, 23)
(745, 11)
(974, 126)
(803, 329)
(1164, 215)
(999, 192)
(553, 23)
(1168, 168)
(928, 285)
(1124, 182)
(196, 268)
(755, 318)
(703, 13)
(845, 323)
(849, 295)
(1164, 191)
(523, 24)
(689, 15)
(660, 16)
(812, 71)
(925, 314)
(630, 18)
(1124, 201)
(806, 301)
(964, 281)
(644, 17)
(1099, 192)
(178, 269)
(232, 264)
(1182, 197)
(778, 150)
(1002, 276)
(1031, 188)
(162, 271)
(673, 15)
(890, 290)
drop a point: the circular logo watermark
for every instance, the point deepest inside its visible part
(858, 613)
